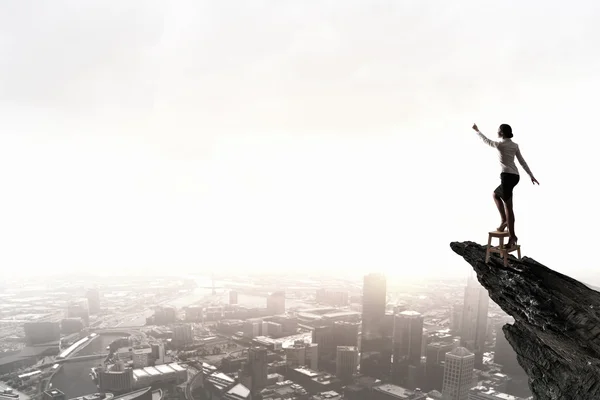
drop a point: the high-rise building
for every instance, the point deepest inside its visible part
(456, 312)
(272, 329)
(119, 379)
(374, 358)
(323, 336)
(434, 364)
(165, 315)
(183, 335)
(79, 309)
(302, 354)
(346, 363)
(408, 337)
(41, 332)
(142, 356)
(252, 328)
(256, 368)
(233, 297)
(345, 333)
(276, 303)
(193, 313)
(332, 297)
(458, 374)
(71, 325)
(93, 298)
(474, 320)
(158, 352)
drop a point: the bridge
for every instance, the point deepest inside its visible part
(125, 330)
(73, 359)
(81, 358)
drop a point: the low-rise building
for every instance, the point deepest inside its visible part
(329, 395)
(395, 392)
(284, 390)
(485, 393)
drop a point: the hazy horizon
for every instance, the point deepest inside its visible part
(149, 135)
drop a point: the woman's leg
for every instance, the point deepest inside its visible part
(508, 205)
(502, 212)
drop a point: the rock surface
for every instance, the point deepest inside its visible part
(556, 333)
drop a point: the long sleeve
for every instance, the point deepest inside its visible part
(487, 141)
(522, 162)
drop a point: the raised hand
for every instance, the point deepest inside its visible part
(534, 181)
(475, 128)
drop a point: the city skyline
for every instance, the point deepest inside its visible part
(305, 333)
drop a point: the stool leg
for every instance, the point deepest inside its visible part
(519, 252)
(501, 242)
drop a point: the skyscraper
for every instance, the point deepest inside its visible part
(346, 362)
(323, 336)
(233, 297)
(474, 319)
(79, 309)
(434, 366)
(276, 303)
(408, 337)
(458, 374)
(93, 298)
(256, 368)
(375, 361)
(182, 334)
(302, 354)
(345, 333)
(456, 311)
(41, 332)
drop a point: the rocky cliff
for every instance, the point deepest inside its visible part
(556, 333)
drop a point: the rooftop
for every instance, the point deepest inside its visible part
(330, 395)
(492, 392)
(132, 395)
(410, 313)
(460, 352)
(239, 391)
(397, 392)
(308, 372)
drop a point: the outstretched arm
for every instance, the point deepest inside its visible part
(525, 166)
(487, 141)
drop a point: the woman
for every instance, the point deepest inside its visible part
(509, 178)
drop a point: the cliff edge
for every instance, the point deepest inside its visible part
(556, 333)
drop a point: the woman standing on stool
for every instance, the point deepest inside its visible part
(507, 150)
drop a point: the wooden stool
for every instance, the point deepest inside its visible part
(501, 249)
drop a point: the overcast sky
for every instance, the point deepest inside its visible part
(317, 135)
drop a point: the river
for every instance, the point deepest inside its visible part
(73, 379)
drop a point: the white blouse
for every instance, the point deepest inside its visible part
(507, 150)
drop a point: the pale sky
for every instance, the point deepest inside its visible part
(318, 135)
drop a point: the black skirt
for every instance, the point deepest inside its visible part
(507, 182)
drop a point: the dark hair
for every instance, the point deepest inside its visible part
(506, 131)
